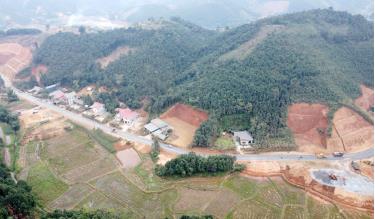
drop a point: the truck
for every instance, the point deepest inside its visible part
(338, 154)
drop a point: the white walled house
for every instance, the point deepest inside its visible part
(71, 98)
(244, 138)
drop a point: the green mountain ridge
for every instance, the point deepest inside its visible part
(312, 56)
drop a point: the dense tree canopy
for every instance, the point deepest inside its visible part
(312, 56)
(191, 164)
(7, 117)
(16, 199)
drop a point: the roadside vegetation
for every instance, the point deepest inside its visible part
(155, 150)
(103, 139)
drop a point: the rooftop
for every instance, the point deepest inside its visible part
(159, 123)
(243, 135)
(127, 113)
(151, 127)
(57, 94)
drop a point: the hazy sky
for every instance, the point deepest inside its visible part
(208, 13)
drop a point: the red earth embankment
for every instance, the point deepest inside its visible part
(308, 123)
(185, 120)
(13, 58)
(186, 113)
(350, 131)
(366, 100)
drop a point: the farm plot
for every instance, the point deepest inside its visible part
(242, 186)
(129, 158)
(71, 197)
(70, 159)
(98, 200)
(351, 131)
(296, 212)
(194, 200)
(318, 210)
(253, 210)
(45, 184)
(14, 58)
(222, 203)
(144, 174)
(117, 187)
(91, 170)
(185, 120)
(269, 194)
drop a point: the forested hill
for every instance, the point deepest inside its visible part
(246, 77)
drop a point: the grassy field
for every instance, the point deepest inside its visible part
(103, 139)
(224, 143)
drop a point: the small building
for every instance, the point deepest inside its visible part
(158, 128)
(150, 127)
(52, 87)
(244, 138)
(126, 116)
(71, 98)
(57, 96)
(98, 108)
(36, 90)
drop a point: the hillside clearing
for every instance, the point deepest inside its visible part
(246, 48)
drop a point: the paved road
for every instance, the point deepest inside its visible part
(90, 124)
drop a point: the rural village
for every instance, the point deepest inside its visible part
(92, 158)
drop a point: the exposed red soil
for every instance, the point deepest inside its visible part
(4, 58)
(21, 58)
(187, 114)
(350, 131)
(366, 100)
(38, 71)
(308, 123)
(297, 174)
(122, 145)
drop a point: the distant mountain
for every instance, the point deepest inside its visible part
(206, 13)
(245, 77)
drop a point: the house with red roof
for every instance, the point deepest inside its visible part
(57, 96)
(127, 116)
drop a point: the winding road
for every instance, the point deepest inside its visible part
(91, 124)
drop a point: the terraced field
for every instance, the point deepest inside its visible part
(72, 171)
